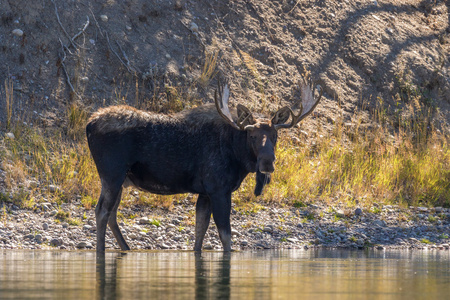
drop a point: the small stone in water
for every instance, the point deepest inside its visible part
(81, 245)
(104, 18)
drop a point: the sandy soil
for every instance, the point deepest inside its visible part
(131, 50)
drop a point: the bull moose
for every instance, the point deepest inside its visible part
(205, 150)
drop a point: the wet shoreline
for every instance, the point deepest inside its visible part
(48, 226)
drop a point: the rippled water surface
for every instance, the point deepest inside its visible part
(283, 274)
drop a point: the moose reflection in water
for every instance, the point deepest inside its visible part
(209, 283)
(206, 151)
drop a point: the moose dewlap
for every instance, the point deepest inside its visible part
(206, 151)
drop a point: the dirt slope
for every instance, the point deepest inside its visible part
(357, 50)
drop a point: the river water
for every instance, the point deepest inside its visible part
(273, 274)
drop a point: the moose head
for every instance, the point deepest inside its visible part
(262, 134)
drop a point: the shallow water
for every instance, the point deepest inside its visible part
(281, 274)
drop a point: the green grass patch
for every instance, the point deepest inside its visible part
(425, 241)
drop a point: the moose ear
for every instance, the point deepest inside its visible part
(245, 117)
(281, 116)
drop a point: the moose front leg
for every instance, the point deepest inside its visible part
(202, 218)
(221, 210)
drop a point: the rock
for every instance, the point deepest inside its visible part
(263, 244)
(235, 232)
(358, 211)
(53, 188)
(193, 27)
(56, 242)
(208, 246)
(244, 243)
(132, 236)
(268, 228)
(144, 220)
(38, 238)
(438, 209)
(292, 240)
(170, 226)
(340, 213)
(380, 248)
(81, 245)
(104, 18)
(45, 206)
(45, 226)
(380, 223)
(87, 227)
(28, 237)
(17, 32)
(165, 246)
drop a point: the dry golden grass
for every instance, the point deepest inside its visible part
(404, 160)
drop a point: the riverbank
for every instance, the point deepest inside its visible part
(47, 226)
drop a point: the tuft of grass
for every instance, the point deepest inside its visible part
(432, 219)
(62, 215)
(375, 210)
(209, 68)
(299, 204)
(353, 239)
(9, 101)
(88, 202)
(74, 222)
(155, 222)
(77, 118)
(426, 241)
(249, 208)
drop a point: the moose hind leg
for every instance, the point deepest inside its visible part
(202, 218)
(112, 222)
(103, 211)
(221, 210)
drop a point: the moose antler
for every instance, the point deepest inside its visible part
(307, 105)
(222, 107)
